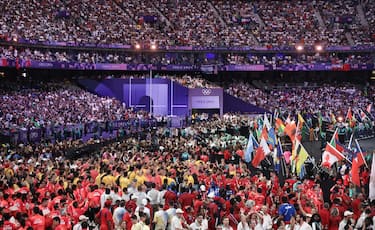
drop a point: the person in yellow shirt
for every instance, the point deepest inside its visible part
(140, 178)
(109, 180)
(123, 180)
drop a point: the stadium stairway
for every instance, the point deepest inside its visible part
(362, 17)
(349, 37)
(131, 18)
(164, 18)
(320, 20)
(216, 12)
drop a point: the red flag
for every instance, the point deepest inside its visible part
(262, 151)
(335, 142)
(264, 133)
(330, 156)
(349, 114)
(290, 130)
(358, 161)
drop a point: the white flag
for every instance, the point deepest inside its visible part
(372, 179)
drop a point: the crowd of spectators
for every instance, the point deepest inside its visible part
(181, 22)
(193, 59)
(303, 97)
(189, 81)
(185, 178)
(56, 104)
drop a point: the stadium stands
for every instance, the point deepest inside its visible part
(70, 159)
(198, 23)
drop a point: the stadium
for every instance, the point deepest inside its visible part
(187, 115)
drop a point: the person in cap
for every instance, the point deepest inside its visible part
(178, 221)
(348, 221)
(82, 224)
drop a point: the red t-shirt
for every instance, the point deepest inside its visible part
(127, 219)
(105, 216)
(61, 227)
(38, 222)
(8, 226)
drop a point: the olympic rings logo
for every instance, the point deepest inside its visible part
(206, 92)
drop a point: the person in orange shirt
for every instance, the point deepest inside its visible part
(75, 210)
(7, 224)
(56, 224)
(37, 221)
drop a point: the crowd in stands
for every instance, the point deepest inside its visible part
(302, 97)
(186, 178)
(91, 57)
(189, 81)
(56, 104)
(181, 22)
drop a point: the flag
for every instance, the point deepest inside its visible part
(290, 130)
(335, 142)
(287, 121)
(300, 119)
(280, 127)
(372, 179)
(333, 118)
(300, 157)
(278, 156)
(272, 137)
(280, 164)
(358, 161)
(330, 156)
(363, 115)
(252, 144)
(349, 114)
(264, 134)
(266, 122)
(262, 151)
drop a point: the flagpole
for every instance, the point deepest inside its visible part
(347, 114)
(351, 140)
(334, 134)
(360, 151)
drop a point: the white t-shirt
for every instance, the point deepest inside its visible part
(196, 226)
(176, 223)
(305, 226)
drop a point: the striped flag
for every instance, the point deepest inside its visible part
(300, 157)
(261, 152)
(252, 144)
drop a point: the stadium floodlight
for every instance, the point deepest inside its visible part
(153, 46)
(299, 48)
(137, 46)
(318, 48)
